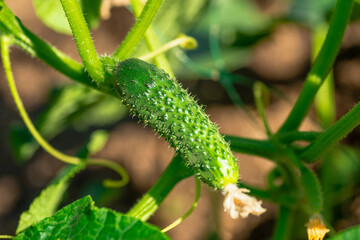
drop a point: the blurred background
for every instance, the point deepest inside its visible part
(240, 42)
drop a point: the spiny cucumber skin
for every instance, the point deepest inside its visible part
(160, 101)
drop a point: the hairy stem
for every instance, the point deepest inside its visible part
(261, 148)
(152, 42)
(332, 135)
(322, 65)
(149, 203)
(83, 39)
(137, 32)
(283, 224)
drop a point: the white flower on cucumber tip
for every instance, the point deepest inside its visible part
(238, 203)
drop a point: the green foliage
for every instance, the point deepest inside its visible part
(82, 220)
(71, 106)
(50, 12)
(49, 199)
(231, 27)
(160, 102)
(249, 20)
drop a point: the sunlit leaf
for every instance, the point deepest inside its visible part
(82, 220)
(53, 16)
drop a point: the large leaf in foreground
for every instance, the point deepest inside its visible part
(82, 220)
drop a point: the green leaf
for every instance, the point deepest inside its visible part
(9, 24)
(96, 142)
(350, 233)
(82, 220)
(53, 16)
(49, 199)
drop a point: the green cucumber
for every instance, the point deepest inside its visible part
(161, 102)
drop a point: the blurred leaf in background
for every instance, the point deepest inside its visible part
(50, 12)
(339, 176)
(311, 12)
(71, 106)
(83, 220)
(49, 199)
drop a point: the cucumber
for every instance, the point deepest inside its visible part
(161, 102)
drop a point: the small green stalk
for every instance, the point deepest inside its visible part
(322, 65)
(261, 148)
(332, 135)
(182, 40)
(261, 96)
(192, 208)
(137, 32)
(298, 136)
(7, 237)
(150, 202)
(284, 223)
(83, 40)
(10, 25)
(152, 42)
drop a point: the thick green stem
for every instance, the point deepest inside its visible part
(332, 135)
(12, 26)
(261, 148)
(149, 203)
(325, 98)
(137, 32)
(289, 137)
(152, 42)
(284, 223)
(83, 39)
(321, 66)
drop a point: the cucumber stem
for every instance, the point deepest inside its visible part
(321, 66)
(83, 40)
(150, 202)
(284, 223)
(137, 32)
(152, 41)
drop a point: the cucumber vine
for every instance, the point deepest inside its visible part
(155, 97)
